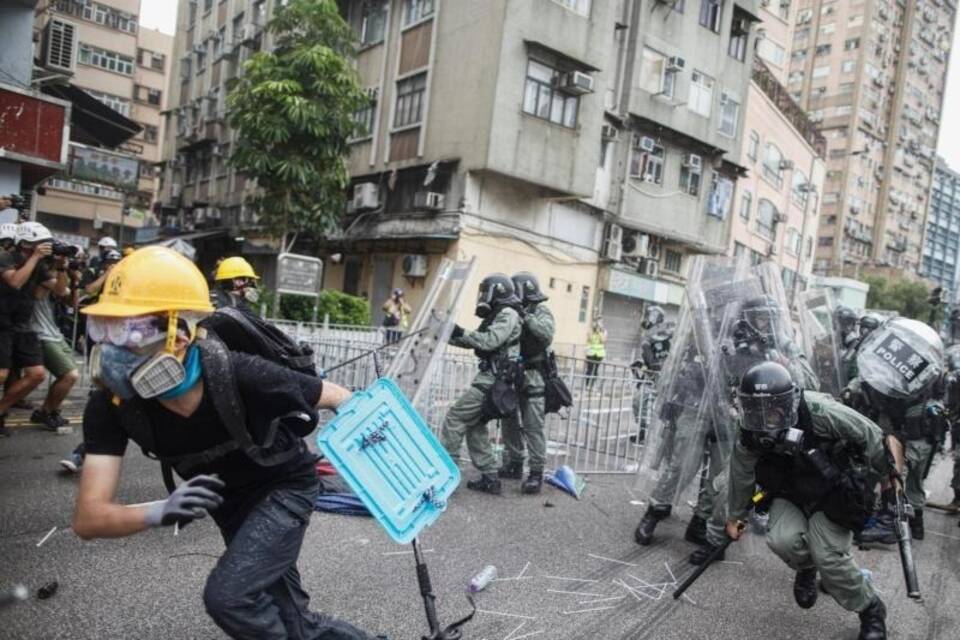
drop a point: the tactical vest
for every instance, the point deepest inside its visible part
(532, 348)
(280, 445)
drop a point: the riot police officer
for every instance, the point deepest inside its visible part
(493, 392)
(654, 349)
(538, 327)
(812, 457)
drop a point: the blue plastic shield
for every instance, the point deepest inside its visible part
(385, 451)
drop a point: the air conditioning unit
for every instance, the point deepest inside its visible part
(779, 218)
(609, 132)
(59, 45)
(693, 161)
(248, 33)
(647, 143)
(613, 247)
(634, 245)
(676, 63)
(428, 200)
(577, 82)
(650, 268)
(366, 195)
(786, 165)
(414, 266)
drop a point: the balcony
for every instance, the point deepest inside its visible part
(769, 84)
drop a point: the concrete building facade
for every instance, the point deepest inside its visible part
(872, 74)
(107, 54)
(941, 243)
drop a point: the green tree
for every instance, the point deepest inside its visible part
(909, 299)
(292, 108)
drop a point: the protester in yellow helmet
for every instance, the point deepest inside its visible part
(204, 411)
(235, 285)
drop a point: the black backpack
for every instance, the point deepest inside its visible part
(247, 333)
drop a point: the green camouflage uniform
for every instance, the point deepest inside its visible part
(465, 418)
(803, 539)
(540, 326)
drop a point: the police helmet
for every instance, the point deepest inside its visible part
(769, 399)
(652, 317)
(496, 291)
(845, 316)
(762, 314)
(527, 288)
(869, 323)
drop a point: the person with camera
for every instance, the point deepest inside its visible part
(97, 269)
(396, 318)
(22, 271)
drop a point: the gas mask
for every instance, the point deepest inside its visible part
(784, 442)
(484, 303)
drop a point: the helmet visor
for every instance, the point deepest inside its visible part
(769, 412)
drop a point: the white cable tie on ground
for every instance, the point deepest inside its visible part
(570, 613)
(47, 537)
(577, 593)
(525, 567)
(626, 564)
(405, 553)
(611, 598)
(672, 577)
(570, 579)
(507, 615)
(527, 635)
(689, 599)
(510, 635)
(636, 593)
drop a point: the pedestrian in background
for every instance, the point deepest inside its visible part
(596, 351)
(396, 319)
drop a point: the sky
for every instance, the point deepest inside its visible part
(162, 15)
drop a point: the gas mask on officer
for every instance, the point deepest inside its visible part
(769, 422)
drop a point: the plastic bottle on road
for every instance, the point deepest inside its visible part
(480, 581)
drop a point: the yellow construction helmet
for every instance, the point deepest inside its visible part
(152, 280)
(235, 267)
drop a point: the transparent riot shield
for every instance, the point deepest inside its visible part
(415, 367)
(816, 323)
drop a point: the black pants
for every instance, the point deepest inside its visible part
(254, 590)
(593, 366)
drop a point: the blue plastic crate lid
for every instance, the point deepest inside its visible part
(387, 454)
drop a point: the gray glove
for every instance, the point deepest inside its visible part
(191, 500)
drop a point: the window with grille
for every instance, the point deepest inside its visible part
(409, 107)
(104, 59)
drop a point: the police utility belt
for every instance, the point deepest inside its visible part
(502, 398)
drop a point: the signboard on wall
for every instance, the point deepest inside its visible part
(105, 167)
(298, 274)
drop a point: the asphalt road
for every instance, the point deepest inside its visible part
(564, 558)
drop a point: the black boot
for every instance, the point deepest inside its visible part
(916, 525)
(696, 531)
(703, 552)
(873, 621)
(805, 588)
(533, 483)
(644, 533)
(511, 471)
(487, 483)
(883, 532)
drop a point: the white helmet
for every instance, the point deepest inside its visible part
(33, 232)
(107, 243)
(8, 231)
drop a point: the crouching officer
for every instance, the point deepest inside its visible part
(535, 339)
(493, 392)
(236, 285)
(230, 424)
(817, 462)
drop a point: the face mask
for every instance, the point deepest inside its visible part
(251, 295)
(128, 374)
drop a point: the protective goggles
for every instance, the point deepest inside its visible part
(770, 412)
(134, 333)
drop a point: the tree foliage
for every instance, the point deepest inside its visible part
(909, 299)
(292, 109)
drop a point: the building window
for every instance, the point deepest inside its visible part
(218, 43)
(729, 115)
(767, 215)
(201, 52)
(584, 304)
(710, 13)
(364, 117)
(118, 104)
(101, 14)
(800, 190)
(739, 36)
(772, 163)
(416, 10)
(542, 99)
(825, 241)
(106, 59)
(823, 49)
(792, 241)
(373, 22)
(848, 66)
(852, 44)
(753, 146)
(148, 95)
(700, 100)
(772, 52)
(783, 9)
(149, 133)
(721, 196)
(646, 159)
(746, 202)
(691, 173)
(657, 74)
(672, 261)
(409, 108)
(580, 6)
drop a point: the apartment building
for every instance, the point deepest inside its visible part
(98, 48)
(941, 243)
(872, 74)
(777, 205)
